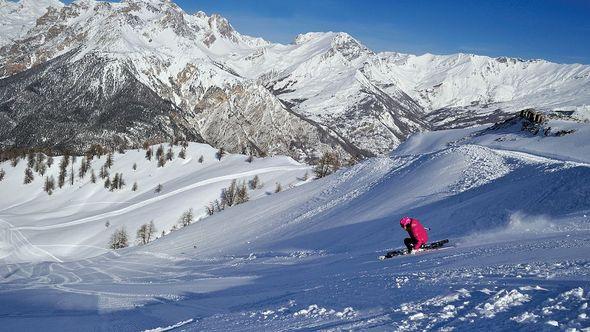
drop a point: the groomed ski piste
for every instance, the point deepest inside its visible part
(515, 206)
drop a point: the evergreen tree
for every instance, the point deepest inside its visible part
(92, 176)
(182, 153)
(109, 162)
(228, 195)
(14, 161)
(161, 161)
(158, 188)
(115, 182)
(28, 176)
(278, 188)
(170, 154)
(134, 188)
(104, 172)
(148, 153)
(134, 166)
(2, 174)
(40, 167)
(119, 239)
(84, 166)
(30, 160)
(72, 177)
(49, 161)
(160, 151)
(107, 183)
(49, 185)
(201, 159)
(219, 154)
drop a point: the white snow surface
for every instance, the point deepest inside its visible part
(16, 18)
(514, 206)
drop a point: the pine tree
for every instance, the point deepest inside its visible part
(160, 151)
(219, 154)
(148, 153)
(104, 172)
(92, 176)
(14, 161)
(121, 182)
(72, 177)
(182, 153)
(228, 195)
(114, 182)
(107, 183)
(49, 185)
(278, 188)
(119, 239)
(134, 166)
(201, 159)
(28, 176)
(109, 162)
(84, 166)
(49, 161)
(161, 161)
(158, 188)
(134, 188)
(2, 174)
(170, 154)
(30, 160)
(40, 167)
(186, 218)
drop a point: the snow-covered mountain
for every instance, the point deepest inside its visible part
(513, 202)
(325, 91)
(16, 18)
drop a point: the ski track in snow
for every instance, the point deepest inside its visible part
(306, 259)
(158, 198)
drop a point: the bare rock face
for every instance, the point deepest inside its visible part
(249, 119)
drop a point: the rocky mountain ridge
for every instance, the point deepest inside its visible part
(206, 81)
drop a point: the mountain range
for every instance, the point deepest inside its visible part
(120, 74)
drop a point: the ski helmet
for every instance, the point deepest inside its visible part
(405, 221)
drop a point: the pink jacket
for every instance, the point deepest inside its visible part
(417, 233)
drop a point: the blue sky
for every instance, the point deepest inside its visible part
(554, 30)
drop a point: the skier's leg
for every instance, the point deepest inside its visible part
(409, 243)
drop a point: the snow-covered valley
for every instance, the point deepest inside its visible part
(514, 204)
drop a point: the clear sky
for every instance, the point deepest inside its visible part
(557, 30)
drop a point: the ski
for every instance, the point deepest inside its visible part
(426, 247)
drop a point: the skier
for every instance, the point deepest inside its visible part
(418, 235)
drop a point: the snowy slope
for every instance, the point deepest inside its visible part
(71, 222)
(514, 205)
(16, 18)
